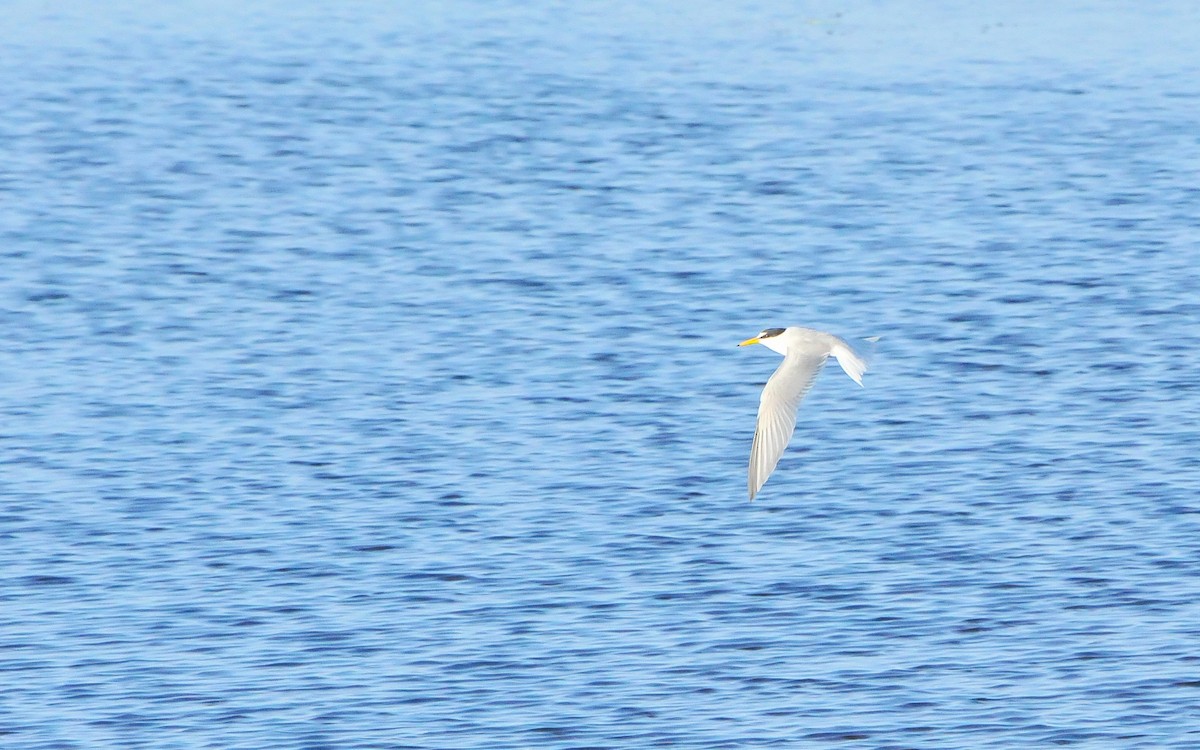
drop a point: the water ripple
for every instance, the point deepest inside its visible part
(371, 377)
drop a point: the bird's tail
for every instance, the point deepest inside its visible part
(850, 360)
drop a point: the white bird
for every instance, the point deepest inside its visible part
(804, 353)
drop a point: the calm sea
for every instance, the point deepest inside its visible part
(370, 377)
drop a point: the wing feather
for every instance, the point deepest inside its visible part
(777, 413)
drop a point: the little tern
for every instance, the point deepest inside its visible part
(804, 353)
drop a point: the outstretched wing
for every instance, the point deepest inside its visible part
(777, 413)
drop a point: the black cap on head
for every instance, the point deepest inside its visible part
(769, 332)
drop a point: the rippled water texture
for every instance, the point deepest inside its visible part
(370, 379)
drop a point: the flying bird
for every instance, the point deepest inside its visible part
(804, 353)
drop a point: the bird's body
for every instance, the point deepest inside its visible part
(804, 353)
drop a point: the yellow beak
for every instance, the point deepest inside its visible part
(748, 342)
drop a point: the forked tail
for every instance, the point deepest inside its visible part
(851, 362)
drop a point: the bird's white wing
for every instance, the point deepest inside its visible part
(777, 413)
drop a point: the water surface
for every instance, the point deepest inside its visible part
(371, 380)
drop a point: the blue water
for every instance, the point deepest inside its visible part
(370, 379)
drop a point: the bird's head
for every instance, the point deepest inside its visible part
(765, 338)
